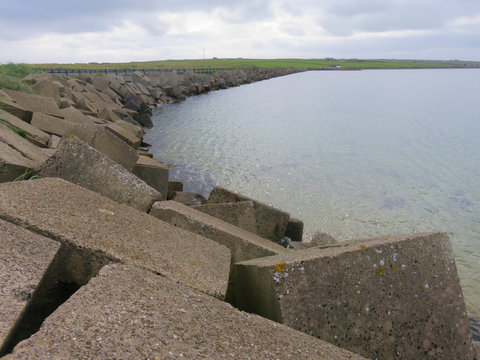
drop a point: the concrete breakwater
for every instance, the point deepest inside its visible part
(102, 256)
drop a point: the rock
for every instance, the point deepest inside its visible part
(24, 259)
(144, 120)
(75, 116)
(240, 214)
(86, 220)
(173, 187)
(153, 317)
(8, 105)
(271, 223)
(31, 133)
(54, 141)
(48, 88)
(136, 130)
(107, 143)
(294, 229)
(383, 298)
(79, 163)
(189, 198)
(124, 135)
(322, 239)
(51, 124)
(154, 173)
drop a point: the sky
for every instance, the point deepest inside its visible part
(66, 31)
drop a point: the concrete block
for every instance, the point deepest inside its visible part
(173, 187)
(32, 134)
(51, 124)
(24, 259)
(124, 135)
(294, 229)
(243, 245)
(79, 163)
(135, 130)
(154, 173)
(8, 105)
(75, 116)
(107, 143)
(271, 223)
(54, 141)
(80, 217)
(384, 298)
(240, 214)
(35, 103)
(128, 313)
(189, 198)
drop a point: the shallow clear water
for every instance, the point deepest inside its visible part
(354, 154)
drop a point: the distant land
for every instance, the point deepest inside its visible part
(314, 64)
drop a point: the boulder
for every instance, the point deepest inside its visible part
(271, 223)
(154, 173)
(83, 219)
(24, 260)
(79, 163)
(240, 214)
(128, 313)
(107, 143)
(384, 298)
(31, 133)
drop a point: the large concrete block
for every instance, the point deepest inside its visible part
(384, 298)
(107, 143)
(271, 223)
(24, 259)
(75, 116)
(244, 245)
(81, 164)
(7, 104)
(125, 135)
(31, 133)
(35, 103)
(240, 214)
(154, 173)
(87, 220)
(51, 124)
(128, 313)
(17, 154)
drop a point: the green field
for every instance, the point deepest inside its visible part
(350, 64)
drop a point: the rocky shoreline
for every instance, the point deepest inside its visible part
(102, 256)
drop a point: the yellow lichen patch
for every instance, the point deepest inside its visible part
(394, 269)
(193, 262)
(363, 246)
(380, 271)
(279, 268)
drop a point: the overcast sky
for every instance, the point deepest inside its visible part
(38, 31)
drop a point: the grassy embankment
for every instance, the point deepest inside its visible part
(11, 74)
(313, 64)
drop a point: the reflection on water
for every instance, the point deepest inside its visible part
(353, 154)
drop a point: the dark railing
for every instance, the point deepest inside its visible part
(68, 72)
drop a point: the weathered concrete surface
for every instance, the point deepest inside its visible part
(384, 298)
(154, 173)
(24, 258)
(128, 313)
(51, 124)
(79, 163)
(87, 220)
(244, 245)
(7, 104)
(294, 229)
(240, 214)
(17, 154)
(189, 198)
(173, 187)
(75, 116)
(271, 223)
(107, 143)
(32, 134)
(123, 134)
(34, 103)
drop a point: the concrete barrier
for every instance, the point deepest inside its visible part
(129, 313)
(86, 220)
(384, 298)
(79, 163)
(271, 223)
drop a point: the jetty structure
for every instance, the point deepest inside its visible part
(102, 257)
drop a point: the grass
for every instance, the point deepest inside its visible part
(11, 75)
(314, 64)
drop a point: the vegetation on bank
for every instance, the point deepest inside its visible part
(314, 64)
(11, 75)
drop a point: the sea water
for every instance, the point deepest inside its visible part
(351, 153)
